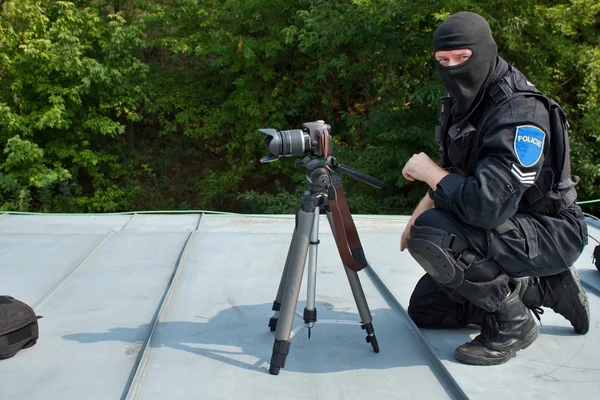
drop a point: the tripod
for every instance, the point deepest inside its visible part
(324, 196)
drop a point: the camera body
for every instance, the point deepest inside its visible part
(313, 139)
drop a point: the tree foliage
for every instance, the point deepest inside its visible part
(124, 105)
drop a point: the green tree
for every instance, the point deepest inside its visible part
(120, 105)
(70, 82)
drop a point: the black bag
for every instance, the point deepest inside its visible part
(18, 326)
(596, 257)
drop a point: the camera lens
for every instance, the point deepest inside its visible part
(295, 142)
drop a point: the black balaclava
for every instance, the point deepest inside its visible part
(466, 30)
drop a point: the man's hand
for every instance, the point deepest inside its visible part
(422, 168)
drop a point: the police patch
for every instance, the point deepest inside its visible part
(529, 144)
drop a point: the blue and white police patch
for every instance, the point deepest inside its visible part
(529, 144)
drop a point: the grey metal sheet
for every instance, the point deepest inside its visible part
(35, 264)
(101, 281)
(56, 224)
(117, 289)
(214, 328)
(151, 223)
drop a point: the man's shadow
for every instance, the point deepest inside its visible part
(240, 336)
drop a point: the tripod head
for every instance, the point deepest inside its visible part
(319, 171)
(315, 141)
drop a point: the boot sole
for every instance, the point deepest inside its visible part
(579, 302)
(473, 360)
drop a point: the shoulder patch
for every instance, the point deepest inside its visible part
(529, 144)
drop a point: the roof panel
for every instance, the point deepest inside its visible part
(214, 328)
(33, 264)
(174, 306)
(115, 291)
(60, 224)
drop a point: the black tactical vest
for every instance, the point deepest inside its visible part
(554, 189)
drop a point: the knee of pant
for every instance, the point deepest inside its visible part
(436, 218)
(427, 233)
(434, 249)
(443, 221)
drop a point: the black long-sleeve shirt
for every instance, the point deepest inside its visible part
(496, 165)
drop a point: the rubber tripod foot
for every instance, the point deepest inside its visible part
(373, 340)
(371, 336)
(273, 370)
(281, 349)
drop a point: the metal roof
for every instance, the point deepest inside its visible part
(168, 306)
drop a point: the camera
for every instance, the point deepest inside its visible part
(313, 139)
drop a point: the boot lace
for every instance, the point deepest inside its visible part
(537, 311)
(491, 328)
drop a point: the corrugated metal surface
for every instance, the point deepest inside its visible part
(177, 306)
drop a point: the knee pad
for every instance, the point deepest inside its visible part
(442, 255)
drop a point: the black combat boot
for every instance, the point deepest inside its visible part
(504, 332)
(563, 293)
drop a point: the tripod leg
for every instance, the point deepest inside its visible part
(277, 303)
(293, 282)
(363, 308)
(360, 299)
(310, 312)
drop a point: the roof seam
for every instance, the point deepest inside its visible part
(136, 377)
(447, 380)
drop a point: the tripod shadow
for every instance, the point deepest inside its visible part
(239, 336)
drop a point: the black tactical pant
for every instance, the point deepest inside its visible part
(526, 245)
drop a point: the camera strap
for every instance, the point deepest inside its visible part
(345, 233)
